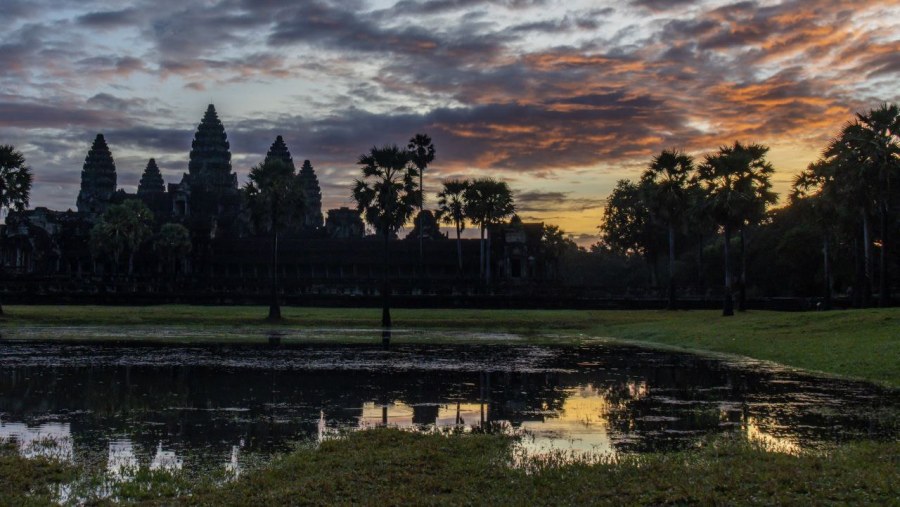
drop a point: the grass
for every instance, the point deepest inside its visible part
(853, 343)
(392, 467)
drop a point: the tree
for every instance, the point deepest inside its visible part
(816, 188)
(386, 195)
(626, 228)
(487, 202)
(737, 181)
(451, 210)
(173, 244)
(275, 199)
(421, 154)
(665, 190)
(15, 181)
(875, 136)
(123, 228)
(555, 244)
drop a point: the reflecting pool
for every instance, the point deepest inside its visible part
(224, 406)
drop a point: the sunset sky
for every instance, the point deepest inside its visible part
(559, 98)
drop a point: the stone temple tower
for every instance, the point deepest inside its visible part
(151, 181)
(210, 159)
(98, 179)
(312, 209)
(210, 189)
(279, 151)
(312, 218)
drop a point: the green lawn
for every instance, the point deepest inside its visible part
(392, 467)
(855, 343)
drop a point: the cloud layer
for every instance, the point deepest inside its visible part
(560, 98)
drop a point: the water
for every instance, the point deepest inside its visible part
(222, 407)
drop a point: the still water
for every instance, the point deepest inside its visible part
(214, 406)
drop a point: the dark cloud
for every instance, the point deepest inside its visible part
(663, 5)
(415, 7)
(32, 115)
(535, 201)
(108, 19)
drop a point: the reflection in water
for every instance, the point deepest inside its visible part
(215, 406)
(50, 440)
(121, 463)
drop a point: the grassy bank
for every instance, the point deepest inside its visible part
(390, 467)
(856, 343)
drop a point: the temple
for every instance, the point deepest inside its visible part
(45, 251)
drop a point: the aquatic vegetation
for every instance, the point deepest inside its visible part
(392, 467)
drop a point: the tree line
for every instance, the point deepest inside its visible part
(838, 198)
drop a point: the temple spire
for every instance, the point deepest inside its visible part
(98, 178)
(279, 151)
(210, 159)
(151, 180)
(313, 208)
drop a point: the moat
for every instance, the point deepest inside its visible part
(212, 406)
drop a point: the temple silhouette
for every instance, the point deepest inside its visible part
(47, 252)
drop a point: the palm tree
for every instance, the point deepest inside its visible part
(15, 181)
(876, 137)
(665, 186)
(421, 153)
(386, 195)
(173, 244)
(857, 188)
(737, 183)
(123, 228)
(756, 188)
(451, 210)
(487, 202)
(274, 198)
(815, 187)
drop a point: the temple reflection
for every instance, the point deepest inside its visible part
(171, 408)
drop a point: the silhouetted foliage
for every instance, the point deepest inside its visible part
(421, 154)
(172, 245)
(386, 195)
(122, 229)
(451, 210)
(487, 202)
(665, 188)
(275, 199)
(15, 181)
(737, 181)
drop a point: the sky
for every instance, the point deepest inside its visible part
(559, 98)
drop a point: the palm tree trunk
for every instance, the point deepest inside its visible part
(274, 308)
(487, 256)
(421, 207)
(130, 263)
(671, 303)
(867, 259)
(459, 248)
(700, 270)
(859, 264)
(827, 268)
(481, 254)
(883, 296)
(742, 289)
(728, 305)
(386, 284)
